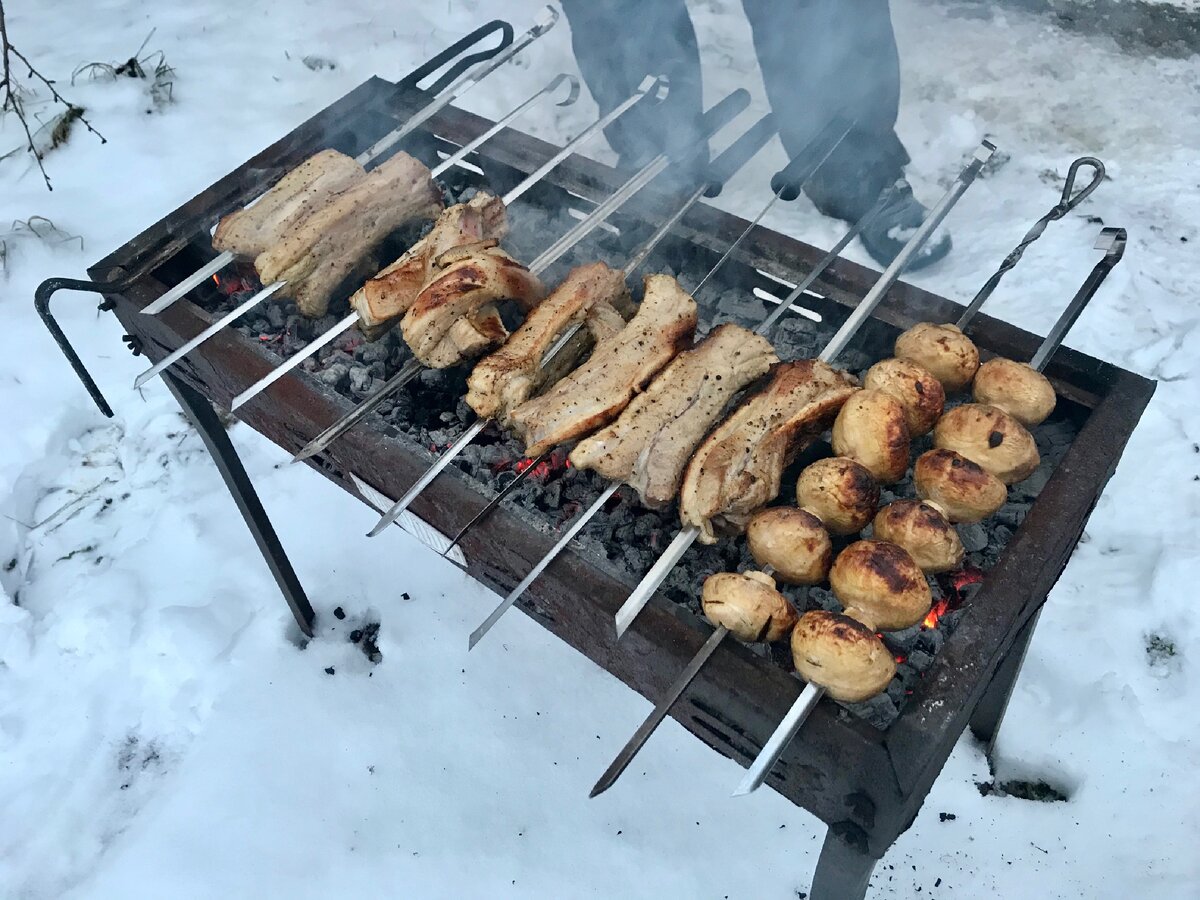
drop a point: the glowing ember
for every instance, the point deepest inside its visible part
(235, 283)
(938, 610)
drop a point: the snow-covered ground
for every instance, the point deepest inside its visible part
(161, 734)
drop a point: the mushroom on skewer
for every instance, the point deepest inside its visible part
(922, 530)
(835, 496)
(917, 389)
(991, 438)
(841, 655)
(872, 429)
(943, 350)
(1016, 388)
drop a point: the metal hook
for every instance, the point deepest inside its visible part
(573, 93)
(1069, 202)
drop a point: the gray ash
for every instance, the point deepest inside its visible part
(625, 538)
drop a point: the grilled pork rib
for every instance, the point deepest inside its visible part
(511, 375)
(455, 317)
(314, 257)
(738, 468)
(389, 294)
(248, 232)
(650, 443)
(596, 392)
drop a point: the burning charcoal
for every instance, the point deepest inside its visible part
(1032, 486)
(930, 641)
(920, 660)
(337, 376)
(1011, 515)
(644, 525)
(447, 417)
(275, 316)
(740, 306)
(360, 380)
(552, 494)
(819, 598)
(903, 642)
(974, 537)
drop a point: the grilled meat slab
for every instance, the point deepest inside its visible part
(316, 255)
(738, 468)
(649, 445)
(389, 294)
(508, 377)
(620, 366)
(455, 316)
(248, 232)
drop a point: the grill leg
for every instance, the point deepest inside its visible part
(843, 870)
(202, 415)
(989, 712)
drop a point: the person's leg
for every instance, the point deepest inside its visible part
(827, 58)
(617, 43)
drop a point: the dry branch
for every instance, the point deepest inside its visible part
(12, 94)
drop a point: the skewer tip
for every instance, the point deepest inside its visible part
(600, 787)
(143, 378)
(474, 639)
(744, 789)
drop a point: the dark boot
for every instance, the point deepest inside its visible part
(885, 236)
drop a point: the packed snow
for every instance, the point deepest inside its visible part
(163, 734)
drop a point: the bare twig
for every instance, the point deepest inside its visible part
(12, 100)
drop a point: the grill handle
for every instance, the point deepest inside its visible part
(427, 68)
(41, 302)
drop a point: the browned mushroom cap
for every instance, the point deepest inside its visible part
(880, 585)
(841, 655)
(793, 542)
(943, 350)
(839, 492)
(1021, 391)
(959, 488)
(748, 605)
(918, 391)
(871, 429)
(924, 532)
(990, 437)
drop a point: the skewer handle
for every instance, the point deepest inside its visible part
(1111, 240)
(782, 736)
(655, 87)
(545, 21)
(1070, 199)
(864, 309)
(789, 181)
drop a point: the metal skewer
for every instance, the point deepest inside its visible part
(659, 713)
(656, 85)
(1112, 241)
(715, 119)
(723, 168)
(665, 563)
(545, 21)
(798, 172)
(447, 164)
(1064, 206)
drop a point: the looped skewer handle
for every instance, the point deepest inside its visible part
(430, 66)
(1069, 200)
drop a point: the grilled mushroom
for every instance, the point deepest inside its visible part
(943, 350)
(793, 542)
(924, 532)
(841, 655)
(918, 391)
(961, 490)
(881, 585)
(872, 429)
(839, 492)
(748, 605)
(990, 437)
(1020, 390)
